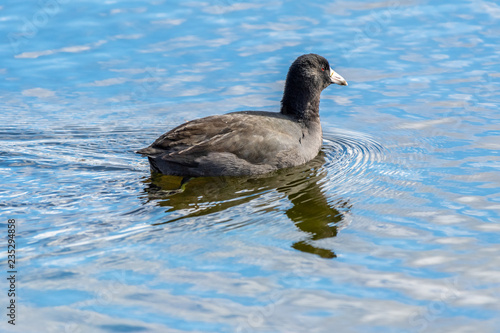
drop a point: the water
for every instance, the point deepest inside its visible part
(394, 227)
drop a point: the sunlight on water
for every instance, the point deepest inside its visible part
(393, 227)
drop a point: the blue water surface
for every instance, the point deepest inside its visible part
(394, 227)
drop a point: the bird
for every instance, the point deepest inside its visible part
(247, 143)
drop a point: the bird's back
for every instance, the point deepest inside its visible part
(234, 144)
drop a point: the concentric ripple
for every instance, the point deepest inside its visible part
(352, 160)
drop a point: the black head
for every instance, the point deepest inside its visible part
(313, 71)
(308, 75)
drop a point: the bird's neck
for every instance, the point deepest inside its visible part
(301, 104)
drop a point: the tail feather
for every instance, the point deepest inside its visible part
(149, 151)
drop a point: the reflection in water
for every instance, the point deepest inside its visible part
(311, 211)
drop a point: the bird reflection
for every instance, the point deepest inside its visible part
(311, 211)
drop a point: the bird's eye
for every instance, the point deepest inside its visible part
(323, 69)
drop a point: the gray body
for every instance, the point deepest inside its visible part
(251, 142)
(235, 144)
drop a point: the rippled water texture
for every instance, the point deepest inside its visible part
(393, 227)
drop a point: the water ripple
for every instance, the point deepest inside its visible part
(350, 159)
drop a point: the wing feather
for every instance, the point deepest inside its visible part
(230, 133)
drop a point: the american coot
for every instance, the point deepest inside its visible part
(251, 142)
